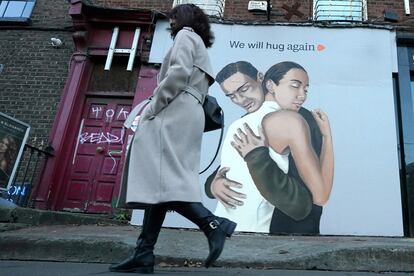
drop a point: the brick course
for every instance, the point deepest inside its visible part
(51, 14)
(162, 5)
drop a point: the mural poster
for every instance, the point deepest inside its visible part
(310, 141)
(270, 170)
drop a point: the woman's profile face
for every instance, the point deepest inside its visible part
(4, 145)
(172, 23)
(292, 89)
(173, 26)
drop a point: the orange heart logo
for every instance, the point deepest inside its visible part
(320, 47)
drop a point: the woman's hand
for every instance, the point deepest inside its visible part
(322, 121)
(247, 141)
(135, 123)
(222, 190)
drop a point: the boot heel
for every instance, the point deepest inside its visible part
(145, 270)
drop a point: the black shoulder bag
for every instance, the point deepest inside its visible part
(214, 120)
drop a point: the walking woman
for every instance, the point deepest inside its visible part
(161, 171)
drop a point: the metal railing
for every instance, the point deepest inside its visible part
(340, 10)
(23, 187)
(210, 7)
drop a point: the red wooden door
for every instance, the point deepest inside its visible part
(96, 168)
(96, 161)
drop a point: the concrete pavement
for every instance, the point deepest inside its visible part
(103, 242)
(37, 268)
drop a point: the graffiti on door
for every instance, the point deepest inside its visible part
(97, 111)
(98, 155)
(101, 137)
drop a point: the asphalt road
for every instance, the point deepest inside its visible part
(27, 268)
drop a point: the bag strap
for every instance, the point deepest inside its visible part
(217, 150)
(136, 111)
(197, 94)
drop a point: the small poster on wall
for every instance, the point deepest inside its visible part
(13, 137)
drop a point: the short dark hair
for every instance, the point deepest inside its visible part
(230, 69)
(278, 71)
(189, 15)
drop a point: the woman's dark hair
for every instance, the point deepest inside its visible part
(11, 152)
(230, 69)
(189, 15)
(278, 71)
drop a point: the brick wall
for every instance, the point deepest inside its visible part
(34, 73)
(51, 14)
(237, 9)
(376, 13)
(162, 5)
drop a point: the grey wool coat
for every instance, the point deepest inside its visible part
(163, 160)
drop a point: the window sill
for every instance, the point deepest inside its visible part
(15, 21)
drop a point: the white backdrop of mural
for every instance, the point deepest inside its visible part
(350, 72)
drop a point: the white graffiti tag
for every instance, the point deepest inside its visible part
(112, 154)
(100, 138)
(96, 110)
(124, 113)
(109, 115)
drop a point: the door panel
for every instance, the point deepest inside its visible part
(96, 165)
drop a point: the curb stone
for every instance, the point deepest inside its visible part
(177, 247)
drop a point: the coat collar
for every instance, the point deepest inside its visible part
(188, 29)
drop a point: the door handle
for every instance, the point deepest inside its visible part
(100, 149)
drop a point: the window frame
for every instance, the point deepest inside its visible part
(220, 4)
(25, 14)
(336, 18)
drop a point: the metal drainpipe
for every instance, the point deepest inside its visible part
(407, 7)
(269, 9)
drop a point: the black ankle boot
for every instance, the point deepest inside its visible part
(215, 228)
(216, 231)
(142, 260)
